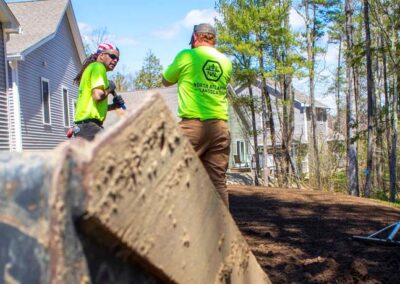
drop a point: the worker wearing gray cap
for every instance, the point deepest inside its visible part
(202, 74)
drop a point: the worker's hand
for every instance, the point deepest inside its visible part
(111, 87)
(118, 101)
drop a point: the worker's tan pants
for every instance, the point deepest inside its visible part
(211, 140)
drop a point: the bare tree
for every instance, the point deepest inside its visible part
(97, 36)
(311, 52)
(352, 160)
(370, 98)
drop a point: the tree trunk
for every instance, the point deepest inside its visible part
(393, 148)
(394, 112)
(254, 132)
(311, 72)
(370, 99)
(271, 123)
(265, 139)
(339, 68)
(292, 163)
(387, 99)
(378, 177)
(270, 119)
(285, 132)
(352, 161)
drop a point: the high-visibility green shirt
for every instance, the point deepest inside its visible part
(203, 74)
(94, 76)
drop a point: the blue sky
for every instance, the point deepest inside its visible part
(164, 27)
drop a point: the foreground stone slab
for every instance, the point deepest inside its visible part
(133, 206)
(38, 242)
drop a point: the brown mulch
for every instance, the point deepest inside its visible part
(305, 236)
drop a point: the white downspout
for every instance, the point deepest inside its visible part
(17, 105)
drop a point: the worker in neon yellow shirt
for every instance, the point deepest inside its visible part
(202, 74)
(94, 88)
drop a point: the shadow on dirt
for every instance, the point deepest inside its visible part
(305, 237)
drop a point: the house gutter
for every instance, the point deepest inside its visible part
(15, 57)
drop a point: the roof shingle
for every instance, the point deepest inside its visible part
(135, 98)
(38, 19)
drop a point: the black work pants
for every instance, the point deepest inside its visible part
(88, 130)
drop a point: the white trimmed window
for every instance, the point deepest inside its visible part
(46, 101)
(65, 98)
(240, 150)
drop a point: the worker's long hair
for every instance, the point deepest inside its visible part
(92, 58)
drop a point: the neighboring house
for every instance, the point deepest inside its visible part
(134, 99)
(8, 24)
(242, 147)
(43, 60)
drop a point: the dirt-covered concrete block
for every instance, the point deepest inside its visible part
(133, 206)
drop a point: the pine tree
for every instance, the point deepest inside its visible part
(149, 75)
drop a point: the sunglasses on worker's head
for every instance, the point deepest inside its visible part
(112, 56)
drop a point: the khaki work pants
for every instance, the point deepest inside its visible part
(211, 140)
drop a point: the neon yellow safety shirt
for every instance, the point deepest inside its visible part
(94, 76)
(203, 74)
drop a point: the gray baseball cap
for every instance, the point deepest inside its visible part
(204, 28)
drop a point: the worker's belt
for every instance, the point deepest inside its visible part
(185, 118)
(98, 122)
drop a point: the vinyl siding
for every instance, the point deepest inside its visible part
(58, 62)
(299, 133)
(301, 125)
(237, 133)
(4, 132)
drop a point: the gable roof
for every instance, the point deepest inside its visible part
(39, 23)
(134, 99)
(298, 96)
(10, 22)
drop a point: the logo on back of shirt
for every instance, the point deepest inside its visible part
(212, 70)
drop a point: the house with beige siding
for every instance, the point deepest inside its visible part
(42, 62)
(242, 147)
(8, 25)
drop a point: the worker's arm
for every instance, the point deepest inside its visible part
(166, 83)
(99, 94)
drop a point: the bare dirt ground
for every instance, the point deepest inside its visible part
(305, 236)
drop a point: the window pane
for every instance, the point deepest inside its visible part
(66, 107)
(46, 102)
(240, 150)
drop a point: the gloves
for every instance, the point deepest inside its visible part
(118, 101)
(111, 87)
